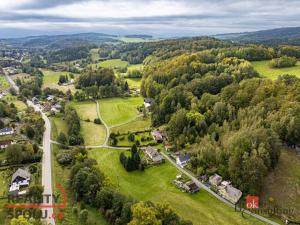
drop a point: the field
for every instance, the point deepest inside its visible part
(22, 76)
(4, 85)
(21, 106)
(51, 79)
(155, 185)
(116, 111)
(60, 175)
(2, 157)
(112, 63)
(86, 110)
(94, 54)
(262, 67)
(287, 177)
(135, 67)
(58, 125)
(3, 191)
(139, 124)
(134, 82)
(144, 138)
(93, 134)
(3, 183)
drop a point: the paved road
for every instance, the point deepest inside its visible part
(201, 185)
(11, 82)
(104, 123)
(46, 161)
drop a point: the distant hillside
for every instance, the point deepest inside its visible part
(139, 36)
(59, 41)
(290, 35)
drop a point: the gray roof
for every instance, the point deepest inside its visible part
(149, 100)
(20, 173)
(6, 129)
(5, 142)
(184, 158)
(216, 178)
(232, 191)
(153, 154)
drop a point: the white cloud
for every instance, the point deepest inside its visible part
(7, 5)
(196, 16)
(115, 9)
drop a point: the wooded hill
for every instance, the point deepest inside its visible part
(217, 108)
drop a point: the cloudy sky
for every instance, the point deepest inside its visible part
(156, 17)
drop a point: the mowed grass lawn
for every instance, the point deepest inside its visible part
(112, 63)
(139, 124)
(60, 175)
(51, 79)
(58, 125)
(283, 184)
(116, 111)
(262, 67)
(93, 134)
(154, 184)
(86, 110)
(4, 181)
(134, 82)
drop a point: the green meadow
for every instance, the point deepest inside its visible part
(155, 184)
(139, 124)
(51, 80)
(4, 85)
(262, 67)
(94, 54)
(21, 106)
(286, 175)
(93, 134)
(117, 111)
(112, 63)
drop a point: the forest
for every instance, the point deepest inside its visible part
(219, 109)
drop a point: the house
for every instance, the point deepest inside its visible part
(21, 178)
(191, 187)
(169, 147)
(229, 192)
(35, 100)
(153, 154)
(6, 131)
(54, 110)
(58, 107)
(47, 106)
(50, 98)
(215, 180)
(148, 102)
(157, 136)
(182, 160)
(5, 144)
